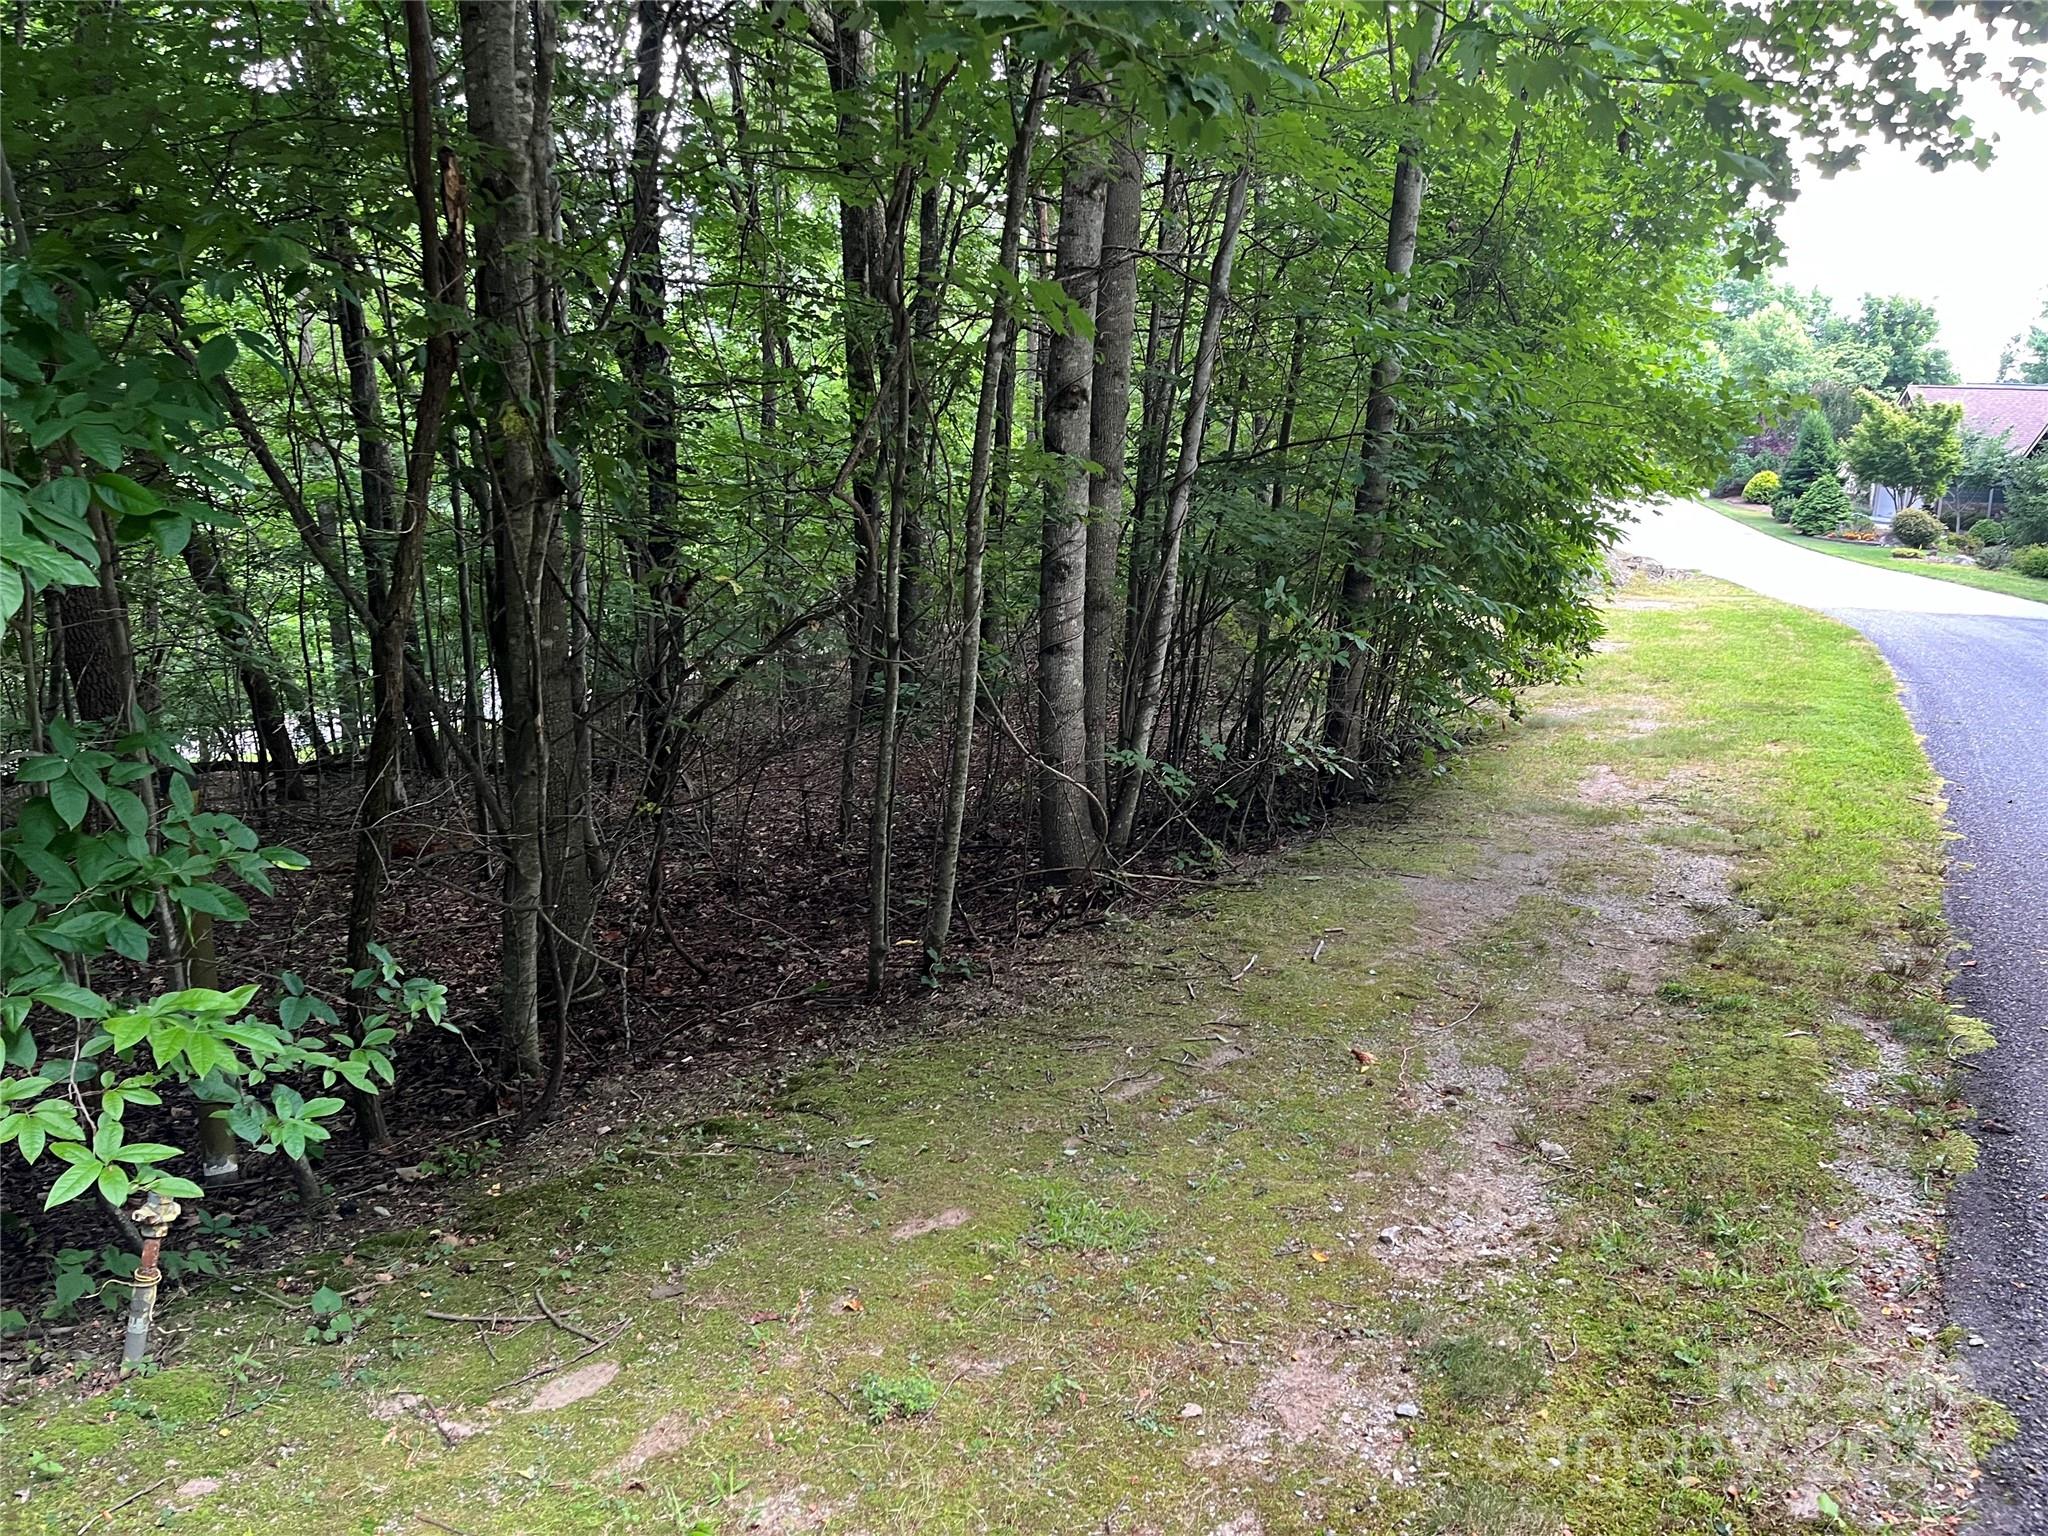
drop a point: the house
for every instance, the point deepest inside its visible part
(2018, 413)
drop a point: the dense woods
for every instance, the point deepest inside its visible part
(609, 482)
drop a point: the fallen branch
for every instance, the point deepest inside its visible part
(505, 1319)
(556, 1318)
(563, 1365)
(108, 1514)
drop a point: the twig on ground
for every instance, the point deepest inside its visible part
(556, 1318)
(493, 1320)
(562, 1365)
(107, 1514)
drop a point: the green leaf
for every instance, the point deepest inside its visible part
(74, 1000)
(217, 356)
(115, 1185)
(70, 799)
(327, 1301)
(71, 1183)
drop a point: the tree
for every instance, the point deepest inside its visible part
(2025, 358)
(1814, 457)
(1823, 509)
(1901, 332)
(1912, 450)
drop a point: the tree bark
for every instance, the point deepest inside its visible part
(1148, 664)
(232, 622)
(1068, 847)
(1116, 316)
(1344, 722)
(998, 358)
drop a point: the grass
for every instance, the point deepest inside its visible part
(2011, 583)
(1075, 1257)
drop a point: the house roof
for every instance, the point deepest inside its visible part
(2017, 412)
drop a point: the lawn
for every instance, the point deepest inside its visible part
(1555, 1148)
(2010, 583)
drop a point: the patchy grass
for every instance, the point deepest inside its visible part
(1494, 1197)
(2011, 583)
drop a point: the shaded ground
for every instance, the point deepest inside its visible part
(1973, 673)
(1549, 1152)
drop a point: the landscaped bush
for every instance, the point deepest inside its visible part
(1994, 557)
(1761, 486)
(1814, 458)
(1916, 529)
(1824, 508)
(1783, 500)
(2031, 561)
(1903, 553)
(1990, 530)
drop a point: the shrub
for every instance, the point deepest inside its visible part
(1815, 457)
(1761, 486)
(1782, 504)
(1994, 557)
(1822, 509)
(2031, 561)
(1903, 553)
(1989, 529)
(1916, 529)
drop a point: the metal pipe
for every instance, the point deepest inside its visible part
(153, 1220)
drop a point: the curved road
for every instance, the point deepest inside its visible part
(1973, 673)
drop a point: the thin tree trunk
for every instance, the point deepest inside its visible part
(1116, 315)
(998, 361)
(232, 622)
(432, 188)
(1343, 728)
(1148, 663)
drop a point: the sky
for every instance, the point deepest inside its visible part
(1972, 243)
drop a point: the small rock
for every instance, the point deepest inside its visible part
(1390, 1235)
(1552, 1152)
(1191, 1411)
(1976, 1341)
(198, 1487)
(1407, 1411)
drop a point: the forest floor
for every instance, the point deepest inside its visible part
(2011, 583)
(1556, 1148)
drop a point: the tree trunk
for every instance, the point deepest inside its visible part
(1343, 728)
(1067, 845)
(1148, 663)
(231, 621)
(1116, 315)
(998, 360)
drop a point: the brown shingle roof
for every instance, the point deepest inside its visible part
(2018, 412)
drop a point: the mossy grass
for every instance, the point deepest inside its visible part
(1026, 1273)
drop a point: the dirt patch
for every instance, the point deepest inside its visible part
(1335, 1394)
(1134, 1087)
(572, 1387)
(197, 1487)
(791, 1513)
(666, 1436)
(414, 1406)
(1246, 1524)
(1603, 786)
(923, 1226)
(1222, 1055)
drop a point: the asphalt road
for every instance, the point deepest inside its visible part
(1973, 673)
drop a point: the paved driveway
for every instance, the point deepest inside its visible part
(1973, 672)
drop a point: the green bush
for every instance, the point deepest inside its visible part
(1761, 486)
(1782, 503)
(1916, 529)
(2031, 561)
(1815, 457)
(1822, 509)
(1989, 529)
(1903, 553)
(1994, 557)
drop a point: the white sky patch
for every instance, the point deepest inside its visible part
(1972, 243)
